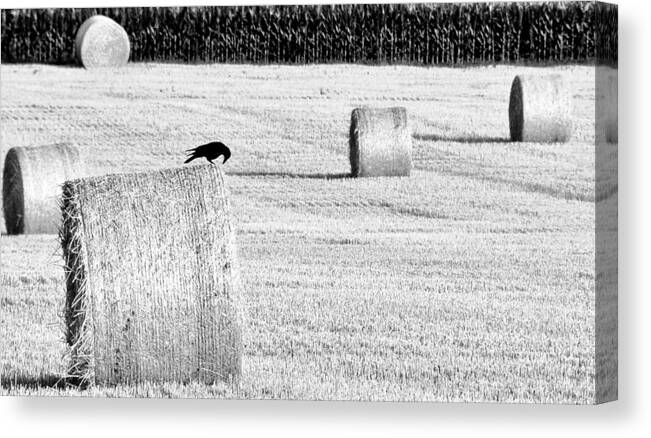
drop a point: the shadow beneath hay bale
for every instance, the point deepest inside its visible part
(54, 381)
(292, 175)
(436, 137)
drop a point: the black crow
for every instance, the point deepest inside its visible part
(210, 151)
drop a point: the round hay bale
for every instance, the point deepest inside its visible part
(3, 227)
(31, 186)
(540, 109)
(101, 42)
(152, 278)
(612, 135)
(606, 105)
(380, 142)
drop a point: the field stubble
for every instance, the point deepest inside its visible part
(471, 280)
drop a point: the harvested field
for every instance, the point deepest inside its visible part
(472, 279)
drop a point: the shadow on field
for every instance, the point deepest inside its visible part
(293, 175)
(435, 137)
(35, 382)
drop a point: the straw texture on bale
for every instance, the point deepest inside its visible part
(380, 142)
(101, 42)
(152, 279)
(31, 186)
(540, 109)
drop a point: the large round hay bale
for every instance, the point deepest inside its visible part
(153, 289)
(101, 42)
(380, 142)
(31, 186)
(540, 109)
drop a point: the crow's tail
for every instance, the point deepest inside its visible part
(190, 159)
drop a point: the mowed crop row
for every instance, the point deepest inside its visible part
(454, 283)
(457, 33)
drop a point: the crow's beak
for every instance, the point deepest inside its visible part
(225, 160)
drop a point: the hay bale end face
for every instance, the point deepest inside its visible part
(153, 290)
(540, 109)
(380, 142)
(101, 42)
(31, 186)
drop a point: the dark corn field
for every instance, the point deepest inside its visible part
(422, 34)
